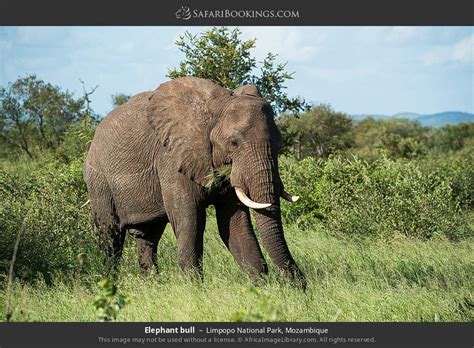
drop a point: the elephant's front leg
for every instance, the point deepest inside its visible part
(187, 215)
(235, 229)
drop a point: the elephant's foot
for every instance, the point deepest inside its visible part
(146, 256)
(111, 242)
(148, 236)
(191, 266)
(296, 276)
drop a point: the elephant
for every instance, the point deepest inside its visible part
(151, 159)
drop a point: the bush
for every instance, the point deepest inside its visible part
(109, 302)
(261, 307)
(43, 200)
(77, 139)
(457, 171)
(394, 138)
(351, 197)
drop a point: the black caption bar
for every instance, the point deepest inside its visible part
(236, 334)
(243, 12)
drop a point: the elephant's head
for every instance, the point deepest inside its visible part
(247, 137)
(206, 126)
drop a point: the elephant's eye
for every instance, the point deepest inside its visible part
(234, 143)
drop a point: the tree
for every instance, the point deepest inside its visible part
(396, 138)
(220, 55)
(317, 132)
(34, 115)
(119, 99)
(452, 137)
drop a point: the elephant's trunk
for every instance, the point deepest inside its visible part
(261, 179)
(271, 229)
(263, 183)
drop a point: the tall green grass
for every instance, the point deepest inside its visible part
(403, 280)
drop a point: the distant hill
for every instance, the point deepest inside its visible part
(433, 120)
(408, 115)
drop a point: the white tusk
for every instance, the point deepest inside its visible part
(289, 197)
(248, 202)
(88, 201)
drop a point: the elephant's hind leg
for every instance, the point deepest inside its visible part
(106, 222)
(111, 239)
(148, 236)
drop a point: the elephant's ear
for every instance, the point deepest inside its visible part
(180, 111)
(251, 90)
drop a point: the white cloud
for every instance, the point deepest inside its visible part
(291, 44)
(346, 74)
(463, 50)
(460, 52)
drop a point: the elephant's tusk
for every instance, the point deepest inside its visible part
(88, 201)
(248, 202)
(288, 197)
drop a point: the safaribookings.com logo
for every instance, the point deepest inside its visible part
(185, 13)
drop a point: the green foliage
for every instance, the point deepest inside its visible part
(456, 170)
(401, 138)
(395, 138)
(317, 132)
(310, 208)
(77, 139)
(34, 116)
(218, 177)
(220, 55)
(119, 99)
(271, 82)
(108, 303)
(321, 131)
(452, 137)
(383, 199)
(260, 308)
(58, 236)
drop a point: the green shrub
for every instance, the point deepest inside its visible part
(351, 197)
(260, 307)
(457, 171)
(306, 179)
(108, 303)
(77, 139)
(46, 197)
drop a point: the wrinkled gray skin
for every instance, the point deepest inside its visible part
(151, 158)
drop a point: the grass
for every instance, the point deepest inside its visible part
(398, 280)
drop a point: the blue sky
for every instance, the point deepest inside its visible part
(358, 70)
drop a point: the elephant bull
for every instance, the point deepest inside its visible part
(150, 161)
